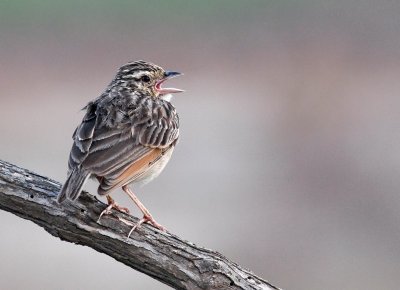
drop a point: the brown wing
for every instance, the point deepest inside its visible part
(120, 153)
(83, 138)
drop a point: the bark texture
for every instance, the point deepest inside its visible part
(163, 256)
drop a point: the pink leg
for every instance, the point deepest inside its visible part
(147, 217)
(112, 204)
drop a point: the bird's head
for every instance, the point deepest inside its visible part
(146, 78)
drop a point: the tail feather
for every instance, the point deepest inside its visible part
(73, 185)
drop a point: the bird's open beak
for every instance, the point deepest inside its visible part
(168, 75)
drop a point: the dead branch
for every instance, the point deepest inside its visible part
(163, 256)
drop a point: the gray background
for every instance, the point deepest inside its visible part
(289, 155)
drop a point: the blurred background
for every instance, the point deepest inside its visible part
(289, 156)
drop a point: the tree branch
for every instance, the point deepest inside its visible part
(163, 256)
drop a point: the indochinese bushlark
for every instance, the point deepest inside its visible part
(126, 137)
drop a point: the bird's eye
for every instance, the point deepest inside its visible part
(145, 79)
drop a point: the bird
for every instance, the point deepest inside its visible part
(126, 137)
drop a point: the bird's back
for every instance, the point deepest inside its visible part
(121, 130)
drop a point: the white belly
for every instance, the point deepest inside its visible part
(155, 169)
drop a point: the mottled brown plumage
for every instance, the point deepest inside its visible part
(127, 134)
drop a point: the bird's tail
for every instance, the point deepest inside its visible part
(73, 185)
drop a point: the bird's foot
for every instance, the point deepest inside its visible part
(147, 219)
(112, 204)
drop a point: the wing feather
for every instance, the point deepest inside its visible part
(119, 146)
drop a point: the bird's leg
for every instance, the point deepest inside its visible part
(112, 204)
(147, 217)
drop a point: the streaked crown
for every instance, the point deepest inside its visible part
(145, 78)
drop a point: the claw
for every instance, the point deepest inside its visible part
(112, 204)
(106, 211)
(147, 219)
